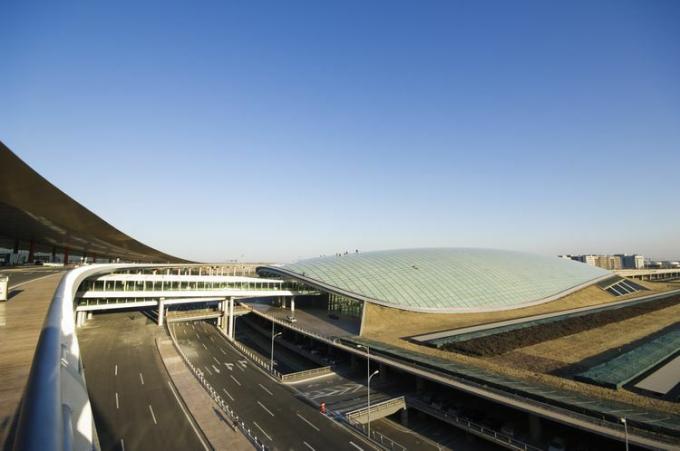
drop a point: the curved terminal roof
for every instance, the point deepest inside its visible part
(445, 279)
(32, 209)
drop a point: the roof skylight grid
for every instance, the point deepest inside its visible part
(448, 278)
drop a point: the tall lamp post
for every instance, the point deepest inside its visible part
(625, 430)
(369, 402)
(274, 335)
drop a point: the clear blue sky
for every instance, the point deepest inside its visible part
(215, 130)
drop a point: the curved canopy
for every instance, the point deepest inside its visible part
(445, 279)
(32, 209)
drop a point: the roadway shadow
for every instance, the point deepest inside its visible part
(13, 293)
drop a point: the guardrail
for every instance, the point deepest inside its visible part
(305, 374)
(377, 407)
(55, 412)
(231, 413)
(474, 428)
(383, 440)
(256, 358)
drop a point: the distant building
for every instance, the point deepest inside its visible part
(611, 262)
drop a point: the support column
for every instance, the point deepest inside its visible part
(66, 255)
(383, 372)
(230, 332)
(292, 306)
(283, 302)
(404, 417)
(535, 428)
(161, 312)
(222, 321)
(420, 385)
(54, 254)
(31, 251)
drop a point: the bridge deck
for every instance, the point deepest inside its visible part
(22, 320)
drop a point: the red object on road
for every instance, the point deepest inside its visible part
(323, 408)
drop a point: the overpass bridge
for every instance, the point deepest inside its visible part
(164, 288)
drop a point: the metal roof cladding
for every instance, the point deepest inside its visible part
(446, 279)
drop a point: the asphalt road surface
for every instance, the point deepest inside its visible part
(134, 404)
(271, 410)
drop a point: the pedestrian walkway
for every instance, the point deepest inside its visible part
(214, 424)
(23, 316)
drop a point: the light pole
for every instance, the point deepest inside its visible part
(274, 335)
(625, 430)
(369, 402)
(368, 359)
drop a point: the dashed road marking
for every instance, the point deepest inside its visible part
(153, 417)
(307, 421)
(266, 410)
(266, 389)
(356, 446)
(141, 378)
(227, 393)
(235, 380)
(115, 370)
(309, 446)
(262, 430)
(117, 406)
(122, 445)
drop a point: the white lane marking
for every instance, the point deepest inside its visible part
(206, 348)
(152, 414)
(223, 352)
(266, 435)
(356, 446)
(227, 393)
(115, 370)
(122, 445)
(230, 366)
(208, 370)
(215, 359)
(205, 446)
(266, 389)
(217, 370)
(267, 410)
(235, 380)
(117, 406)
(212, 339)
(307, 421)
(197, 337)
(141, 378)
(308, 446)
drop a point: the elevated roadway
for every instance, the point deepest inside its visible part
(134, 403)
(272, 411)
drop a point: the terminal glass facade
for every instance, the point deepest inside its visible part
(344, 305)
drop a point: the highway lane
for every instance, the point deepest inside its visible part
(134, 403)
(271, 410)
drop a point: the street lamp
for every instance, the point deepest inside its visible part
(274, 335)
(625, 429)
(369, 402)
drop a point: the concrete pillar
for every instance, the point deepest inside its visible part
(54, 254)
(292, 306)
(230, 332)
(31, 251)
(283, 302)
(161, 312)
(89, 315)
(535, 428)
(404, 417)
(420, 385)
(66, 255)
